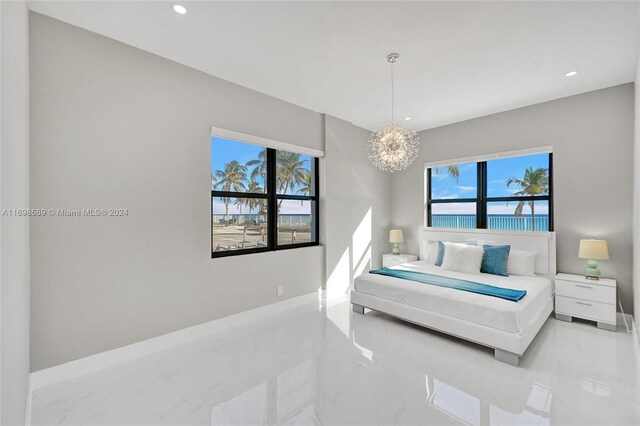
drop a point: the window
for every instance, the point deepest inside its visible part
(513, 193)
(262, 199)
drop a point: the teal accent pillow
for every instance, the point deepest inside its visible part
(494, 260)
(440, 255)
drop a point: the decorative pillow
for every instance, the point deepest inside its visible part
(521, 262)
(462, 258)
(495, 259)
(432, 251)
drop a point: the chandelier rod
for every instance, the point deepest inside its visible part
(392, 58)
(393, 94)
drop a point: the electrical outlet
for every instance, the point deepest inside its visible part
(280, 290)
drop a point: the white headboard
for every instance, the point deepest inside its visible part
(544, 243)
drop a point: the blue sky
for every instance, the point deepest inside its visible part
(498, 171)
(226, 150)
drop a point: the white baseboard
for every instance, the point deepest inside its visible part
(72, 369)
(27, 414)
(627, 321)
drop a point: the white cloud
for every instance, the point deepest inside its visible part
(439, 176)
(295, 207)
(467, 166)
(454, 208)
(511, 208)
(219, 208)
(291, 207)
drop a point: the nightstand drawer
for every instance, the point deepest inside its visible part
(595, 311)
(592, 292)
(390, 261)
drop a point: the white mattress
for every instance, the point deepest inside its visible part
(505, 315)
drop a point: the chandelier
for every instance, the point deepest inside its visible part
(394, 147)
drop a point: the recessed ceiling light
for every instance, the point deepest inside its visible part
(178, 8)
(571, 73)
(407, 118)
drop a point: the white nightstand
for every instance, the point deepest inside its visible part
(594, 300)
(389, 260)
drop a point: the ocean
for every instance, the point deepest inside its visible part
(495, 221)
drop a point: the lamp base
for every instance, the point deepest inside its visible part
(592, 272)
(395, 249)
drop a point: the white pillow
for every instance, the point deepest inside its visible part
(429, 251)
(480, 243)
(424, 249)
(432, 251)
(521, 262)
(462, 258)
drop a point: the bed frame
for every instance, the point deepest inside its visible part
(509, 347)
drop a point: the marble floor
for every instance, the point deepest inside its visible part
(319, 364)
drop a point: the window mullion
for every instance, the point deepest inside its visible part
(481, 206)
(272, 204)
(429, 197)
(550, 186)
(516, 198)
(296, 197)
(232, 194)
(455, 200)
(316, 192)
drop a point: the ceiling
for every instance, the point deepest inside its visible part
(458, 60)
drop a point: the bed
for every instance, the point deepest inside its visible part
(507, 327)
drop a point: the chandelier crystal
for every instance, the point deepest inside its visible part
(394, 147)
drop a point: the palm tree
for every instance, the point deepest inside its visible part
(232, 178)
(290, 171)
(259, 165)
(239, 203)
(307, 186)
(534, 182)
(452, 170)
(254, 202)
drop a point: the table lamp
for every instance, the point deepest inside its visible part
(395, 237)
(593, 250)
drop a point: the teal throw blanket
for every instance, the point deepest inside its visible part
(458, 284)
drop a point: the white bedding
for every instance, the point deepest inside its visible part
(505, 315)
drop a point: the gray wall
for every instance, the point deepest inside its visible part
(113, 126)
(14, 194)
(636, 201)
(592, 139)
(358, 211)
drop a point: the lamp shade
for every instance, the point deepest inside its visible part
(593, 249)
(395, 236)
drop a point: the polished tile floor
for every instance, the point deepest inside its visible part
(319, 364)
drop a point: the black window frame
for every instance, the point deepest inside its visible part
(482, 200)
(270, 194)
